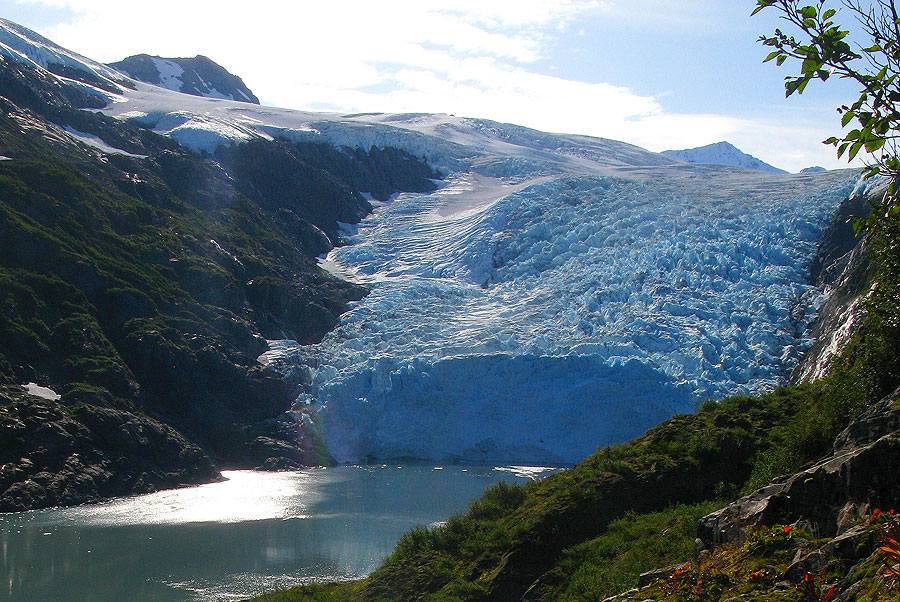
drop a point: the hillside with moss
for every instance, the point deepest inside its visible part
(139, 282)
(785, 496)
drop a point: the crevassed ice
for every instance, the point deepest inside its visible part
(569, 314)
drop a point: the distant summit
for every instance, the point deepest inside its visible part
(814, 169)
(721, 153)
(199, 76)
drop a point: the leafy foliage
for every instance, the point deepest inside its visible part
(874, 64)
(890, 551)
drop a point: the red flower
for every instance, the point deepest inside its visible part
(787, 528)
(876, 512)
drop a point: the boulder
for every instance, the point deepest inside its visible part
(861, 471)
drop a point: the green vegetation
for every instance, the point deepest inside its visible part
(631, 545)
(754, 570)
(826, 49)
(148, 285)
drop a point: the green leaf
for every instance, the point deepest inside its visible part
(809, 12)
(772, 55)
(780, 60)
(854, 150)
(761, 4)
(874, 145)
(847, 118)
(828, 14)
(810, 65)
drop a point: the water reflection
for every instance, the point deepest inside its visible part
(228, 540)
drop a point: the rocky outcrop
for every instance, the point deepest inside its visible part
(198, 76)
(861, 473)
(51, 454)
(665, 572)
(841, 271)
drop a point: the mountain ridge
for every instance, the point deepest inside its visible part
(138, 279)
(198, 76)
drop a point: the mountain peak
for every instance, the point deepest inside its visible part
(721, 153)
(198, 76)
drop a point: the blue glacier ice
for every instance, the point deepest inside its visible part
(533, 322)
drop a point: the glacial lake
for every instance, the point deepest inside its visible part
(226, 541)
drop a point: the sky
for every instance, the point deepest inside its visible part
(662, 74)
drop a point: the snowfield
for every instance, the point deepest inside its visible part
(558, 293)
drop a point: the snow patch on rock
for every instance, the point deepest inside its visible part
(96, 142)
(39, 391)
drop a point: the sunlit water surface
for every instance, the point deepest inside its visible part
(225, 541)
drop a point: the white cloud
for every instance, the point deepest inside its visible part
(477, 58)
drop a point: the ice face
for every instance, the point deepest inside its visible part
(535, 322)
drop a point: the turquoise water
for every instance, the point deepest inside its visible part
(226, 541)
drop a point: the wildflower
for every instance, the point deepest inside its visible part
(787, 529)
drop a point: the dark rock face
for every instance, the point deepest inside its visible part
(54, 455)
(841, 269)
(142, 289)
(200, 76)
(861, 472)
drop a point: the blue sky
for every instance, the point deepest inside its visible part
(658, 73)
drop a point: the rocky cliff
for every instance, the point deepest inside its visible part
(199, 76)
(138, 284)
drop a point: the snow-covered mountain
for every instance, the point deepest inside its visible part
(558, 292)
(24, 46)
(721, 153)
(199, 76)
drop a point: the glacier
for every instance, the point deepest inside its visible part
(557, 293)
(534, 321)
